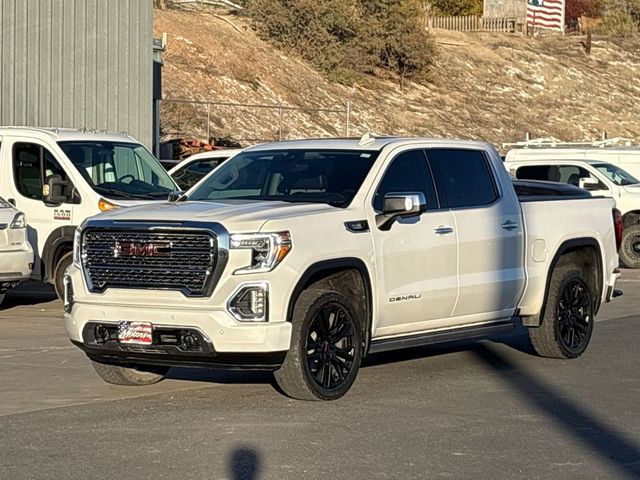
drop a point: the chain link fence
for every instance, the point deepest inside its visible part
(247, 123)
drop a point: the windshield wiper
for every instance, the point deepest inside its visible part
(111, 191)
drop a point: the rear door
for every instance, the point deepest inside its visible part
(490, 234)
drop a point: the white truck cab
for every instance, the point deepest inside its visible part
(59, 177)
(599, 178)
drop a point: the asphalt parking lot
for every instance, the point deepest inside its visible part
(477, 409)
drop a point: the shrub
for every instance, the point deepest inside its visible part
(348, 38)
(456, 7)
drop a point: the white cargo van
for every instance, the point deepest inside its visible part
(626, 158)
(60, 177)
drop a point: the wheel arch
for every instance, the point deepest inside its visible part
(59, 242)
(581, 247)
(337, 274)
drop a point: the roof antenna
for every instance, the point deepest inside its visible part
(366, 140)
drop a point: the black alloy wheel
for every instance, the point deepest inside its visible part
(330, 346)
(575, 315)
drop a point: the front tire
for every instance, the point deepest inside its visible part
(326, 347)
(130, 376)
(568, 320)
(59, 272)
(630, 249)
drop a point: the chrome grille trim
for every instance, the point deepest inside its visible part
(199, 254)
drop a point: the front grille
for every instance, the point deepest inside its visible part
(158, 259)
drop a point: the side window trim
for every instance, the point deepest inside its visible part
(429, 169)
(439, 182)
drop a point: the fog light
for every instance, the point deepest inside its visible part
(68, 294)
(250, 303)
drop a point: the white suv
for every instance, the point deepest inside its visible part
(16, 255)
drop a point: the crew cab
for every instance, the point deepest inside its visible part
(58, 177)
(600, 179)
(16, 255)
(304, 257)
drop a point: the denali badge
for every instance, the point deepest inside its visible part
(403, 298)
(131, 249)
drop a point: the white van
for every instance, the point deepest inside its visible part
(598, 177)
(626, 158)
(60, 177)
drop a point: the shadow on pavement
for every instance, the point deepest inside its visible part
(29, 293)
(244, 464)
(612, 446)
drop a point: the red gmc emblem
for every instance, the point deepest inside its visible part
(131, 249)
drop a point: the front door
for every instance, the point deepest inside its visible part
(31, 164)
(417, 258)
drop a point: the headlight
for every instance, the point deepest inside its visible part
(19, 221)
(77, 246)
(267, 250)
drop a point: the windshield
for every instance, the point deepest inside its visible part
(119, 170)
(616, 174)
(312, 176)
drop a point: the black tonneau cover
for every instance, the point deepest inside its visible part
(541, 190)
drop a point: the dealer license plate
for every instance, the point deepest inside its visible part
(140, 333)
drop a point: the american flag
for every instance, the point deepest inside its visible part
(546, 14)
(135, 332)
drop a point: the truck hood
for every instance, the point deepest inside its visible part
(632, 189)
(235, 215)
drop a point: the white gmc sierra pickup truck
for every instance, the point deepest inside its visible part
(303, 257)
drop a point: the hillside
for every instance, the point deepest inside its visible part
(491, 86)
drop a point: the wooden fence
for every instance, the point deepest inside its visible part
(474, 23)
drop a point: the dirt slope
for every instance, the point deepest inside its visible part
(491, 86)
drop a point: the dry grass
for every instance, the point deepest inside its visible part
(494, 87)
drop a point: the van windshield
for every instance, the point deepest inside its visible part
(119, 170)
(306, 176)
(617, 175)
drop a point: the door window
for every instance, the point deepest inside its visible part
(409, 172)
(32, 164)
(569, 174)
(464, 178)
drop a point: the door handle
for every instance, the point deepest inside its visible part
(510, 225)
(443, 230)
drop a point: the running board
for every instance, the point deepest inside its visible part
(378, 346)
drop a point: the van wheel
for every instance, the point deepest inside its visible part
(568, 320)
(58, 275)
(630, 249)
(130, 376)
(326, 347)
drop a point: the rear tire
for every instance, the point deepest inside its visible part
(568, 319)
(59, 272)
(130, 376)
(326, 347)
(630, 249)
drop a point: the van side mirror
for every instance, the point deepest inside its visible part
(54, 191)
(590, 184)
(400, 205)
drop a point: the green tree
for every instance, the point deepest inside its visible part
(456, 7)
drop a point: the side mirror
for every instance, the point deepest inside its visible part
(54, 191)
(175, 196)
(590, 184)
(400, 205)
